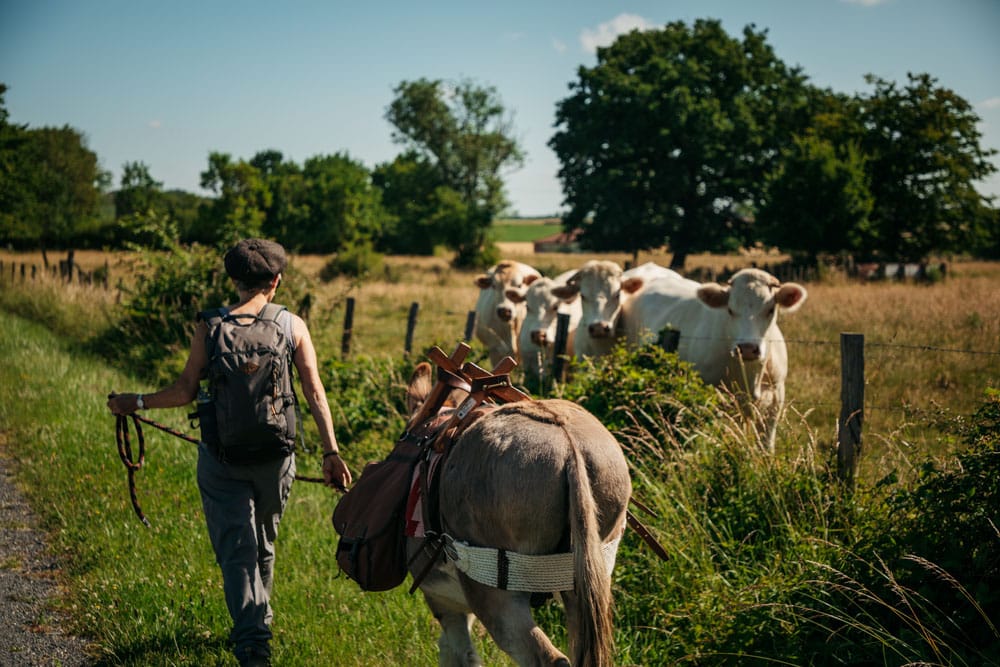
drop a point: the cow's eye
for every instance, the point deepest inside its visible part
(770, 312)
(731, 313)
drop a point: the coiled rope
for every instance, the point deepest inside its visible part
(133, 465)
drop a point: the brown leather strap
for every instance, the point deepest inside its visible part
(645, 508)
(646, 536)
(452, 380)
(420, 576)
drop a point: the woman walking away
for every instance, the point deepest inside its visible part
(246, 461)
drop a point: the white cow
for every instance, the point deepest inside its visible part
(536, 342)
(651, 271)
(729, 333)
(498, 319)
(604, 290)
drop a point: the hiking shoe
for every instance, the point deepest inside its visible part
(254, 658)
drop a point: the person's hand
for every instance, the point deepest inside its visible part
(335, 472)
(123, 404)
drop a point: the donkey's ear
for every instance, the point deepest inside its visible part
(420, 386)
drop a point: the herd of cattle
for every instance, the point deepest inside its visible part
(729, 333)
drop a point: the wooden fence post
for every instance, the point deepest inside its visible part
(852, 400)
(470, 325)
(411, 324)
(559, 349)
(345, 340)
(669, 339)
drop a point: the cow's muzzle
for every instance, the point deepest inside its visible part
(539, 337)
(600, 330)
(747, 351)
(505, 314)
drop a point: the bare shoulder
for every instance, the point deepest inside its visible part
(300, 330)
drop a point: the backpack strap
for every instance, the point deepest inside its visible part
(213, 316)
(281, 316)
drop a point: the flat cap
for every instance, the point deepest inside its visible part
(253, 260)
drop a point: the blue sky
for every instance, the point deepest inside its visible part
(166, 83)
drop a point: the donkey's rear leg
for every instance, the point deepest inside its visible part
(507, 617)
(455, 647)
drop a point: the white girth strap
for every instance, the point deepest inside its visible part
(541, 573)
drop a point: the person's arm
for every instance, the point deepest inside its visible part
(335, 471)
(181, 392)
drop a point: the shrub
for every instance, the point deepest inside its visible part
(644, 388)
(936, 581)
(355, 261)
(368, 400)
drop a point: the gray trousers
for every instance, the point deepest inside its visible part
(243, 506)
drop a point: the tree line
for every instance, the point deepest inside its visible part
(683, 136)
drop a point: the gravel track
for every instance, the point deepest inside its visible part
(30, 629)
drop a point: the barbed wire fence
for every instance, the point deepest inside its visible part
(853, 347)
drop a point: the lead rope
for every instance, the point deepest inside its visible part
(124, 442)
(131, 465)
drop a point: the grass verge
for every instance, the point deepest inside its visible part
(153, 596)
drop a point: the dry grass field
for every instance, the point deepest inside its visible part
(930, 349)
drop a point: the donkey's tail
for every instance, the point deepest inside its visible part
(594, 642)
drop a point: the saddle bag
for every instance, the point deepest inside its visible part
(370, 519)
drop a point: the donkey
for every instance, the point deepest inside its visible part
(530, 477)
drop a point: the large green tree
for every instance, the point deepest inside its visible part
(241, 199)
(283, 178)
(340, 206)
(54, 190)
(924, 155)
(465, 134)
(672, 131)
(818, 200)
(14, 191)
(424, 211)
(138, 192)
(50, 184)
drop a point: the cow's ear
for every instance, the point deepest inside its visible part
(714, 295)
(566, 292)
(420, 386)
(632, 285)
(530, 278)
(515, 295)
(483, 281)
(790, 296)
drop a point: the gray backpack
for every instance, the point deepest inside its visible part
(250, 412)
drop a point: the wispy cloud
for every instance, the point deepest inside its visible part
(513, 36)
(867, 3)
(558, 45)
(990, 104)
(155, 124)
(606, 33)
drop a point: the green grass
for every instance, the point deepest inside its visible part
(514, 232)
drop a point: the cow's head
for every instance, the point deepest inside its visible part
(541, 310)
(602, 291)
(502, 279)
(752, 299)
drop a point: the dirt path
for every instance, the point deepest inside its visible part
(30, 632)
